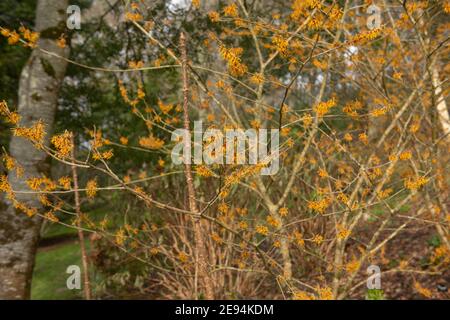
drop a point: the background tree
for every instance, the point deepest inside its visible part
(39, 86)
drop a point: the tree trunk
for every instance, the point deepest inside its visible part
(38, 96)
(202, 267)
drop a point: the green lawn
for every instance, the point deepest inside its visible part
(49, 277)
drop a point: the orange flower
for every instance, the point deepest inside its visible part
(262, 230)
(231, 10)
(151, 142)
(63, 144)
(61, 42)
(91, 188)
(283, 211)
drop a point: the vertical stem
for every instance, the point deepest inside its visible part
(201, 263)
(84, 258)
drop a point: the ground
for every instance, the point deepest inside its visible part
(59, 248)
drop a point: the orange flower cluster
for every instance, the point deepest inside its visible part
(262, 230)
(319, 205)
(204, 171)
(41, 184)
(365, 36)
(323, 108)
(151, 142)
(415, 183)
(34, 133)
(281, 45)
(11, 117)
(63, 144)
(232, 56)
(91, 188)
(30, 37)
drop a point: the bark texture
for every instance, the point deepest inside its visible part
(38, 96)
(202, 267)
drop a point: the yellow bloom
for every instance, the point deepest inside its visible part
(446, 7)
(203, 171)
(183, 257)
(383, 194)
(423, 291)
(124, 140)
(136, 64)
(243, 225)
(363, 138)
(231, 10)
(273, 221)
(165, 108)
(307, 120)
(323, 108)
(352, 266)
(317, 239)
(216, 238)
(11, 117)
(51, 216)
(107, 154)
(232, 56)
(120, 237)
(283, 211)
(302, 295)
(322, 173)
(414, 184)
(319, 205)
(4, 184)
(320, 64)
(30, 36)
(325, 293)
(262, 230)
(10, 163)
(405, 155)
(5, 32)
(257, 78)
(223, 207)
(65, 182)
(366, 36)
(299, 239)
(378, 112)
(214, 16)
(280, 44)
(63, 144)
(151, 142)
(13, 38)
(34, 183)
(91, 188)
(133, 16)
(348, 137)
(343, 233)
(61, 42)
(34, 133)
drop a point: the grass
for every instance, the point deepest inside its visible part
(49, 277)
